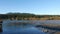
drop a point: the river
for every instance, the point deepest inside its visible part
(23, 29)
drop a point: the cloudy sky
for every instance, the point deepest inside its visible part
(40, 7)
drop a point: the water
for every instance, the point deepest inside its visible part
(20, 29)
(11, 28)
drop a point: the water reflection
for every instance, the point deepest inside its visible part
(20, 29)
(28, 28)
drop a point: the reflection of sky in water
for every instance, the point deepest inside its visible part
(16, 28)
(26, 29)
(20, 29)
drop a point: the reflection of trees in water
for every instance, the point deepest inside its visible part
(22, 24)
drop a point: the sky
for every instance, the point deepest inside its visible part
(39, 7)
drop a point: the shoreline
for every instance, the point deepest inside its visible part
(47, 26)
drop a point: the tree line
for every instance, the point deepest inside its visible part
(23, 15)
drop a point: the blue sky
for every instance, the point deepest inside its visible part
(40, 7)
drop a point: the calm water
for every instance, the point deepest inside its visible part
(20, 29)
(9, 28)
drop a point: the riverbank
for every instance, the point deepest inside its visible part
(50, 26)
